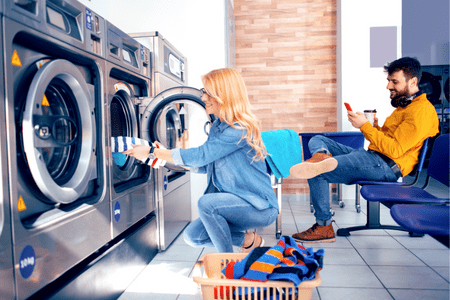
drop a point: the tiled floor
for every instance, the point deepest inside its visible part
(371, 264)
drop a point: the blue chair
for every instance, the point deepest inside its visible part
(424, 219)
(417, 170)
(352, 139)
(438, 169)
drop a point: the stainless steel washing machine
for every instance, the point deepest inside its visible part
(60, 214)
(435, 83)
(169, 69)
(176, 118)
(127, 85)
(6, 257)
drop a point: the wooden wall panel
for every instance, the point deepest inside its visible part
(286, 52)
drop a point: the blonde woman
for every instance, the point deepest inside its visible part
(239, 194)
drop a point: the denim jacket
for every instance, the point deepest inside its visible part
(227, 161)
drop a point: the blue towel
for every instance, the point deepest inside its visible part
(284, 150)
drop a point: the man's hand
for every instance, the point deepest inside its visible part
(357, 119)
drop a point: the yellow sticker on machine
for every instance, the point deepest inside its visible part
(21, 205)
(120, 86)
(45, 101)
(15, 59)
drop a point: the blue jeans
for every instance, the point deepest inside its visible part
(223, 219)
(353, 164)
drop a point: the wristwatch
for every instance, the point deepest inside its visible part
(151, 155)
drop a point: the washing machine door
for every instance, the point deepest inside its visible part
(177, 119)
(59, 132)
(430, 85)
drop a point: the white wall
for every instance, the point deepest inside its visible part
(195, 27)
(360, 85)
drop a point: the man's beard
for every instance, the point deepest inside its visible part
(402, 98)
(399, 94)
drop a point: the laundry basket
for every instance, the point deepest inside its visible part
(215, 285)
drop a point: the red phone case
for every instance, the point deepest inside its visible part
(347, 106)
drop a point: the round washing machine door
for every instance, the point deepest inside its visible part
(58, 131)
(430, 85)
(123, 123)
(177, 119)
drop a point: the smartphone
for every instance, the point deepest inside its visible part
(349, 108)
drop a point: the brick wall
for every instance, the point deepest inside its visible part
(286, 52)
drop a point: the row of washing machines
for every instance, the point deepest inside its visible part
(70, 81)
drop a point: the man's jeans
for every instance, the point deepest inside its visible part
(223, 219)
(353, 164)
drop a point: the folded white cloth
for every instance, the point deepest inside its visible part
(123, 143)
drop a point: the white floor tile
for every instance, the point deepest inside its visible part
(348, 276)
(433, 258)
(409, 277)
(353, 294)
(443, 271)
(374, 242)
(408, 294)
(425, 242)
(390, 257)
(162, 280)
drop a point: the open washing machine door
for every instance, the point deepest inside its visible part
(58, 131)
(430, 85)
(177, 119)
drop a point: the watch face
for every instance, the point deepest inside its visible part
(151, 156)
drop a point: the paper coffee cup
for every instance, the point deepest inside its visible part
(370, 115)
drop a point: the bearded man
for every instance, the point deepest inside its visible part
(392, 153)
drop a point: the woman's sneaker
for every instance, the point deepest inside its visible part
(258, 241)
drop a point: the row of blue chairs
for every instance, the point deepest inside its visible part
(412, 207)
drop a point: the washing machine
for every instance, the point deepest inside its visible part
(127, 85)
(435, 83)
(169, 69)
(54, 58)
(6, 260)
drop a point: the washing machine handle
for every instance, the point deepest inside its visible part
(53, 130)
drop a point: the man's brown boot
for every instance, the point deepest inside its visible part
(318, 164)
(316, 234)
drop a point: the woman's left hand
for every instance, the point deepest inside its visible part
(139, 152)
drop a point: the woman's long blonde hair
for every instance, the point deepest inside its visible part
(227, 87)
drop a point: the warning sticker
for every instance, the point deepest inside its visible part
(42, 62)
(15, 60)
(21, 205)
(120, 86)
(45, 101)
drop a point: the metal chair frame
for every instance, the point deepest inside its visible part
(390, 194)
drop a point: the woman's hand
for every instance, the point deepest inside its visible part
(139, 152)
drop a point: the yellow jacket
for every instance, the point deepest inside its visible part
(404, 132)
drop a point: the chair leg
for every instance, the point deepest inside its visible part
(278, 221)
(373, 221)
(357, 199)
(339, 195)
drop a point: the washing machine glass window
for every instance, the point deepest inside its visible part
(430, 85)
(59, 121)
(122, 124)
(58, 129)
(181, 124)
